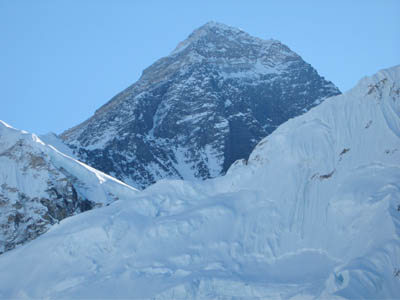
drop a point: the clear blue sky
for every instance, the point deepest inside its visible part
(61, 60)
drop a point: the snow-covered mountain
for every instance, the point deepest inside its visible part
(40, 186)
(196, 111)
(314, 213)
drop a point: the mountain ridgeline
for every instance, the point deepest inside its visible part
(40, 186)
(196, 111)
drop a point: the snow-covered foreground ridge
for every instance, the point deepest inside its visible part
(39, 186)
(313, 213)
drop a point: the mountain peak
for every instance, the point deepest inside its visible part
(212, 25)
(196, 111)
(213, 33)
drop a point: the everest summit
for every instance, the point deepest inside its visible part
(196, 111)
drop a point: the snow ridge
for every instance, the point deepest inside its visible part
(41, 186)
(312, 214)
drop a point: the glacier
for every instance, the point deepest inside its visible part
(314, 213)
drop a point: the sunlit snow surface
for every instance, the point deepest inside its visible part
(314, 213)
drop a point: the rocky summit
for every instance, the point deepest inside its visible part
(196, 111)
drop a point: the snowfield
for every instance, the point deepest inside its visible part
(313, 214)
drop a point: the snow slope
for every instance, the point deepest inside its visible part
(313, 214)
(53, 140)
(39, 186)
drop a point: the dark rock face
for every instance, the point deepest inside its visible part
(30, 217)
(195, 112)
